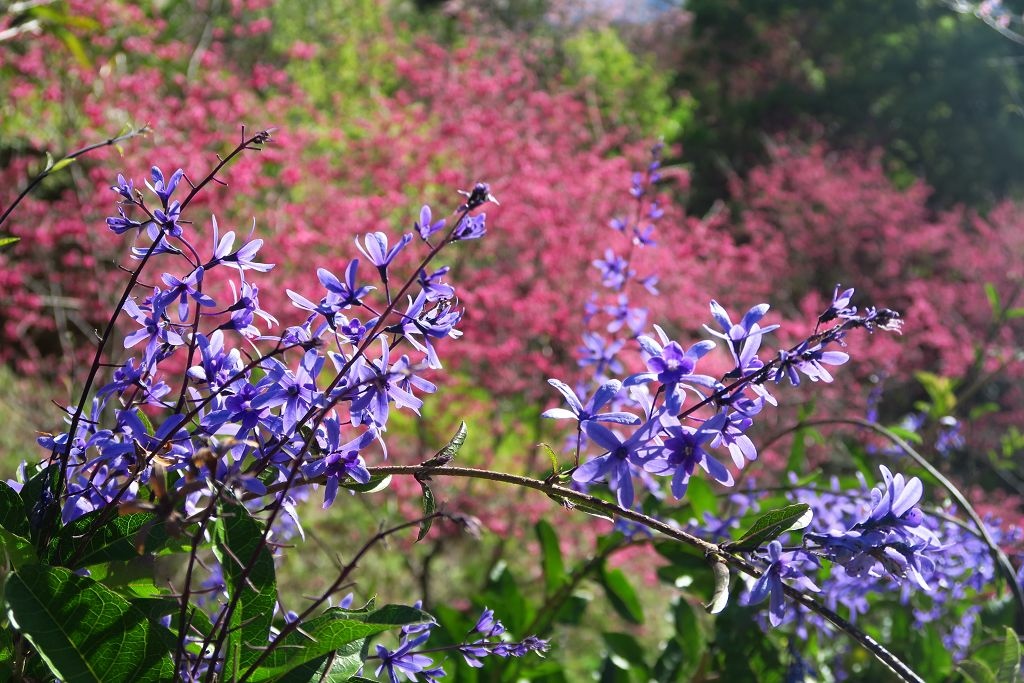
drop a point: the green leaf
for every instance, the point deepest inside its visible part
(429, 507)
(120, 539)
(146, 422)
(238, 544)
(906, 434)
(66, 161)
(12, 511)
(449, 451)
(572, 610)
(690, 635)
(377, 483)
(993, 297)
(552, 457)
(132, 579)
(701, 497)
(74, 46)
(669, 666)
(1011, 314)
(720, 598)
(155, 608)
(1009, 665)
(976, 671)
(330, 632)
(551, 557)
(37, 500)
(770, 526)
(622, 596)
(626, 648)
(687, 570)
(336, 667)
(18, 550)
(588, 509)
(85, 632)
(6, 241)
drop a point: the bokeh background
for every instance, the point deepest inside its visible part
(873, 143)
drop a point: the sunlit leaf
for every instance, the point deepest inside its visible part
(772, 525)
(248, 569)
(84, 631)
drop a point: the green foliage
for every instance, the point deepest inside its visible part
(353, 41)
(84, 631)
(338, 635)
(770, 526)
(249, 574)
(627, 89)
(938, 90)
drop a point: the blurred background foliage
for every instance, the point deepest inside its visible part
(874, 142)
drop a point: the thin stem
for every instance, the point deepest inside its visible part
(317, 414)
(712, 552)
(998, 556)
(135, 132)
(346, 571)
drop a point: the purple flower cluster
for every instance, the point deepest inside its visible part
(678, 415)
(310, 400)
(877, 541)
(487, 639)
(889, 539)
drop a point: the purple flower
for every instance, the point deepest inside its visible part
(161, 188)
(670, 366)
(340, 295)
(600, 354)
(121, 224)
(217, 365)
(437, 322)
(426, 226)
(624, 315)
(840, 306)
(471, 228)
(741, 448)
(348, 294)
(183, 289)
(683, 450)
(577, 411)
(810, 360)
(478, 196)
(167, 220)
(744, 338)
(616, 463)
(406, 662)
(487, 625)
(614, 269)
(769, 584)
(376, 385)
(125, 188)
(243, 259)
(295, 392)
(889, 535)
(341, 461)
(375, 248)
(245, 309)
(155, 327)
(432, 285)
